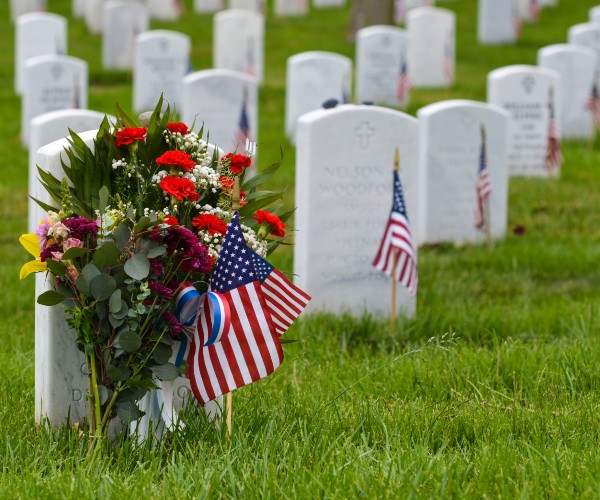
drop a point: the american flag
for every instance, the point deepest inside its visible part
(534, 10)
(249, 348)
(404, 82)
(483, 188)
(517, 20)
(593, 103)
(554, 156)
(250, 59)
(448, 61)
(397, 237)
(399, 11)
(285, 300)
(242, 133)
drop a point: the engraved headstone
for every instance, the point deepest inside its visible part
(165, 10)
(48, 128)
(253, 5)
(226, 103)
(344, 172)
(576, 65)
(60, 370)
(52, 83)
(432, 46)
(527, 93)
(497, 22)
(311, 79)
(37, 34)
(238, 42)
(291, 7)
(453, 135)
(162, 59)
(20, 7)
(382, 72)
(208, 6)
(123, 21)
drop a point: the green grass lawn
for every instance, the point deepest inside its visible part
(502, 402)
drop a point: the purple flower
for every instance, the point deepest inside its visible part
(174, 325)
(80, 227)
(160, 289)
(157, 267)
(47, 252)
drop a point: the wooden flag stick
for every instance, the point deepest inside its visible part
(235, 206)
(394, 260)
(487, 214)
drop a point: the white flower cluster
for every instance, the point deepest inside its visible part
(256, 244)
(205, 178)
(191, 144)
(159, 176)
(126, 168)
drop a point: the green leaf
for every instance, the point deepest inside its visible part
(142, 224)
(107, 255)
(73, 253)
(115, 322)
(165, 372)
(162, 353)
(103, 199)
(288, 341)
(121, 234)
(263, 176)
(57, 268)
(127, 411)
(103, 392)
(101, 310)
(102, 286)
(114, 304)
(83, 284)
(156, 251)
(130, 341)
(137, 267)
(113, 373)
(50, 298)
(121, 313)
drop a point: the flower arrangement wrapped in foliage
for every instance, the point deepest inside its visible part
(135, 221)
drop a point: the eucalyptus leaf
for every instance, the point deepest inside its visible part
(102, 286)
(103, 199)
(90, 271)
(101, 310)
(142, 224)
(73, 253)
(115, 322)
(130, 341)
(121, 313)
(165, 372)
(107, 255)
(50, 298)
(162, 353)
(121, 234)
(103, 393)
(128, 411)
(57, 268)
(114, 304)
(156, 252)
(82, 284)
(113, 373)
(137, 267)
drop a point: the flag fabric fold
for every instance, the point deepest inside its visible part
(483, 189)
(396, 250)
(593, 104)
(553, 158)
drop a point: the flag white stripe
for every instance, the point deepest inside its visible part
(225, 366)
(239, 357)
(264, 326)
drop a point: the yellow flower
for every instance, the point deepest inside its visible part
(30, 243)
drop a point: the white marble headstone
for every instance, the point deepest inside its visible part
(60, 372)
(587, 35)
(165, 10)
(37, 34)
(311, 79)
(123, 21)
(548, 3)
(225, 102)
(431, 52)
(450, 155)
(344, 172)
(526, 92)
(594, 14)
(78, 8)
(162, 59)
(382, 72)
(401, 7)
(497, 22)
(291, 7)
(48, 128)
(576, 65)
(254, 5)
(529, 10)
(208, 6)
(52, 83)
(20, 7)
(92, 15)
(238, 42)
(319, 4)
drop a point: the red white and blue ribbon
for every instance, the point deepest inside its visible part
(215, 317)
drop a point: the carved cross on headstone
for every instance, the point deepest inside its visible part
(364, 132)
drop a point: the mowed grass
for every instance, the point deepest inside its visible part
(503, 402)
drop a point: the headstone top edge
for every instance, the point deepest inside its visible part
(37, 16)
(163, 33)
(233, 13)
(428, 9)
(59, 145)
(449, 104)
(517, 69)
(53, 58)
(561, 48)
(52, 115)
(322, 54)
(205, 74)
(319, 114)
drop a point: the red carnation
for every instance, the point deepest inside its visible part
(126, 136)
(277, 226)
(169, 219)
(177, 159)
(237, 163)
(180, 187)
(178, 128)
(210, 223)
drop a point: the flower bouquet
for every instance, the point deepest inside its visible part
(139, 223)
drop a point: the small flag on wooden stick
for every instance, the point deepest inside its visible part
(554, 156)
